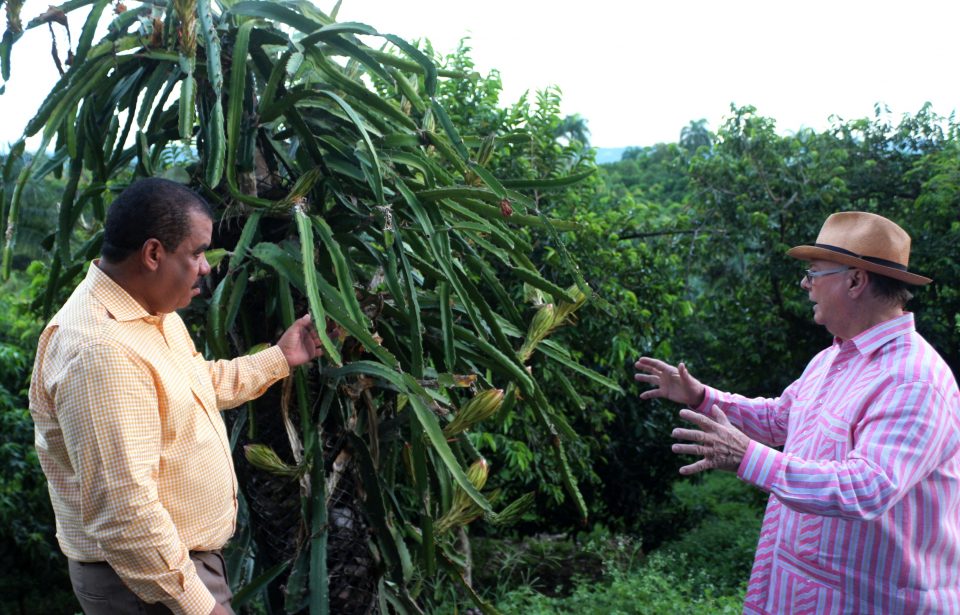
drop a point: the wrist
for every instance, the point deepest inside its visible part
(698, 397)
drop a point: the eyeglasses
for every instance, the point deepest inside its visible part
(810, 275)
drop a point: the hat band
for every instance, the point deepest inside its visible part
(869, 259)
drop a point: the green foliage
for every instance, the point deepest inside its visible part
(434, 224)
(32, 569)
(724, 538)
(659, 587)
(38, 212)
(649, 174)
(757, 193)
(532, 142)
(716, 223)
(599, 573)
(344, 187)
(705, 570)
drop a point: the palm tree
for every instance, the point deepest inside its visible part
(574, 128)
(696, 135)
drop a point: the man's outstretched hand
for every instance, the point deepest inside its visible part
(300, 343)
(721, 445)
(674, 383)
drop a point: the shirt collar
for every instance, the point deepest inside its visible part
(876, 336)
(114, 298)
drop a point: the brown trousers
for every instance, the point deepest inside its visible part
(101, 592)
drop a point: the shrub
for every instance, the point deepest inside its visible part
(33, 572)
(723, 543)
(662, 585)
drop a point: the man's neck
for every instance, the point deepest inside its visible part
(869, 318)
(125, 279)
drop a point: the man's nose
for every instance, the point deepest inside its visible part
(204, 265)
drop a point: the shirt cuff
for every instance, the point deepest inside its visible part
(760, 465)
(710, 396)
(271, 363)
(196, 599)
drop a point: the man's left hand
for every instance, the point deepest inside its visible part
(300, 343)
(721, 445)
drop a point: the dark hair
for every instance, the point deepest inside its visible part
(889, 289)
(150, 208)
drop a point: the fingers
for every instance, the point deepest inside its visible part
(700, 420)
(652, 394)
(306, 322)
(691, 435)
(719, 416)
(654, 367)
(689, 449)
(695, 468)
(649, 364)
(695, 450)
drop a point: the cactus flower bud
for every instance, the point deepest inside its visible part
(514, 511)
(463, 509)
(264, 458)
(477, 473)
(564, 308)
(482, 406)
(541, 325)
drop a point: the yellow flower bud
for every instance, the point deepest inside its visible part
(483, 405)
(477, 473)
(264, 458)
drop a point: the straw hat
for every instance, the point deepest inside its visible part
(866, 241)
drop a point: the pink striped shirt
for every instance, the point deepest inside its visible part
(864, 508)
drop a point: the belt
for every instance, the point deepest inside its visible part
(191, 553)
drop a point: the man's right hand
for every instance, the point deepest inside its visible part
(219, 609)
(674, 383)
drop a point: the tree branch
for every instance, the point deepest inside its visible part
(662, 233)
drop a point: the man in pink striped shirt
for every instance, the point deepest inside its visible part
(864, 507)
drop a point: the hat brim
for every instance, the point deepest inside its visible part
(809, 253)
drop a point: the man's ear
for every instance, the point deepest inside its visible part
(151, 253)
(858, 281)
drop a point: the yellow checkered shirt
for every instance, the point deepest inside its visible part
(130, 437)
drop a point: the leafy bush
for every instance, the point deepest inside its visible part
(33, 575)
(605, 573)
(722, 545)
(662, 585)
(547, 564)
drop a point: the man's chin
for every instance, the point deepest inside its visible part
(187, 300)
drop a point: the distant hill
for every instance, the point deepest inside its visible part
(609, 154)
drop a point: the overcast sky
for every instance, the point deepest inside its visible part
(641, 70)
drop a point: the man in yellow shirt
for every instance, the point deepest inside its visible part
(127, 414)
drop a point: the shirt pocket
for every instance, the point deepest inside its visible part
(801, 587)
(833, 437)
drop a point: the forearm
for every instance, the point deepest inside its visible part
(244, 378)
(143, 548)
(761, 419)
(902, 439)
(853, 489)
